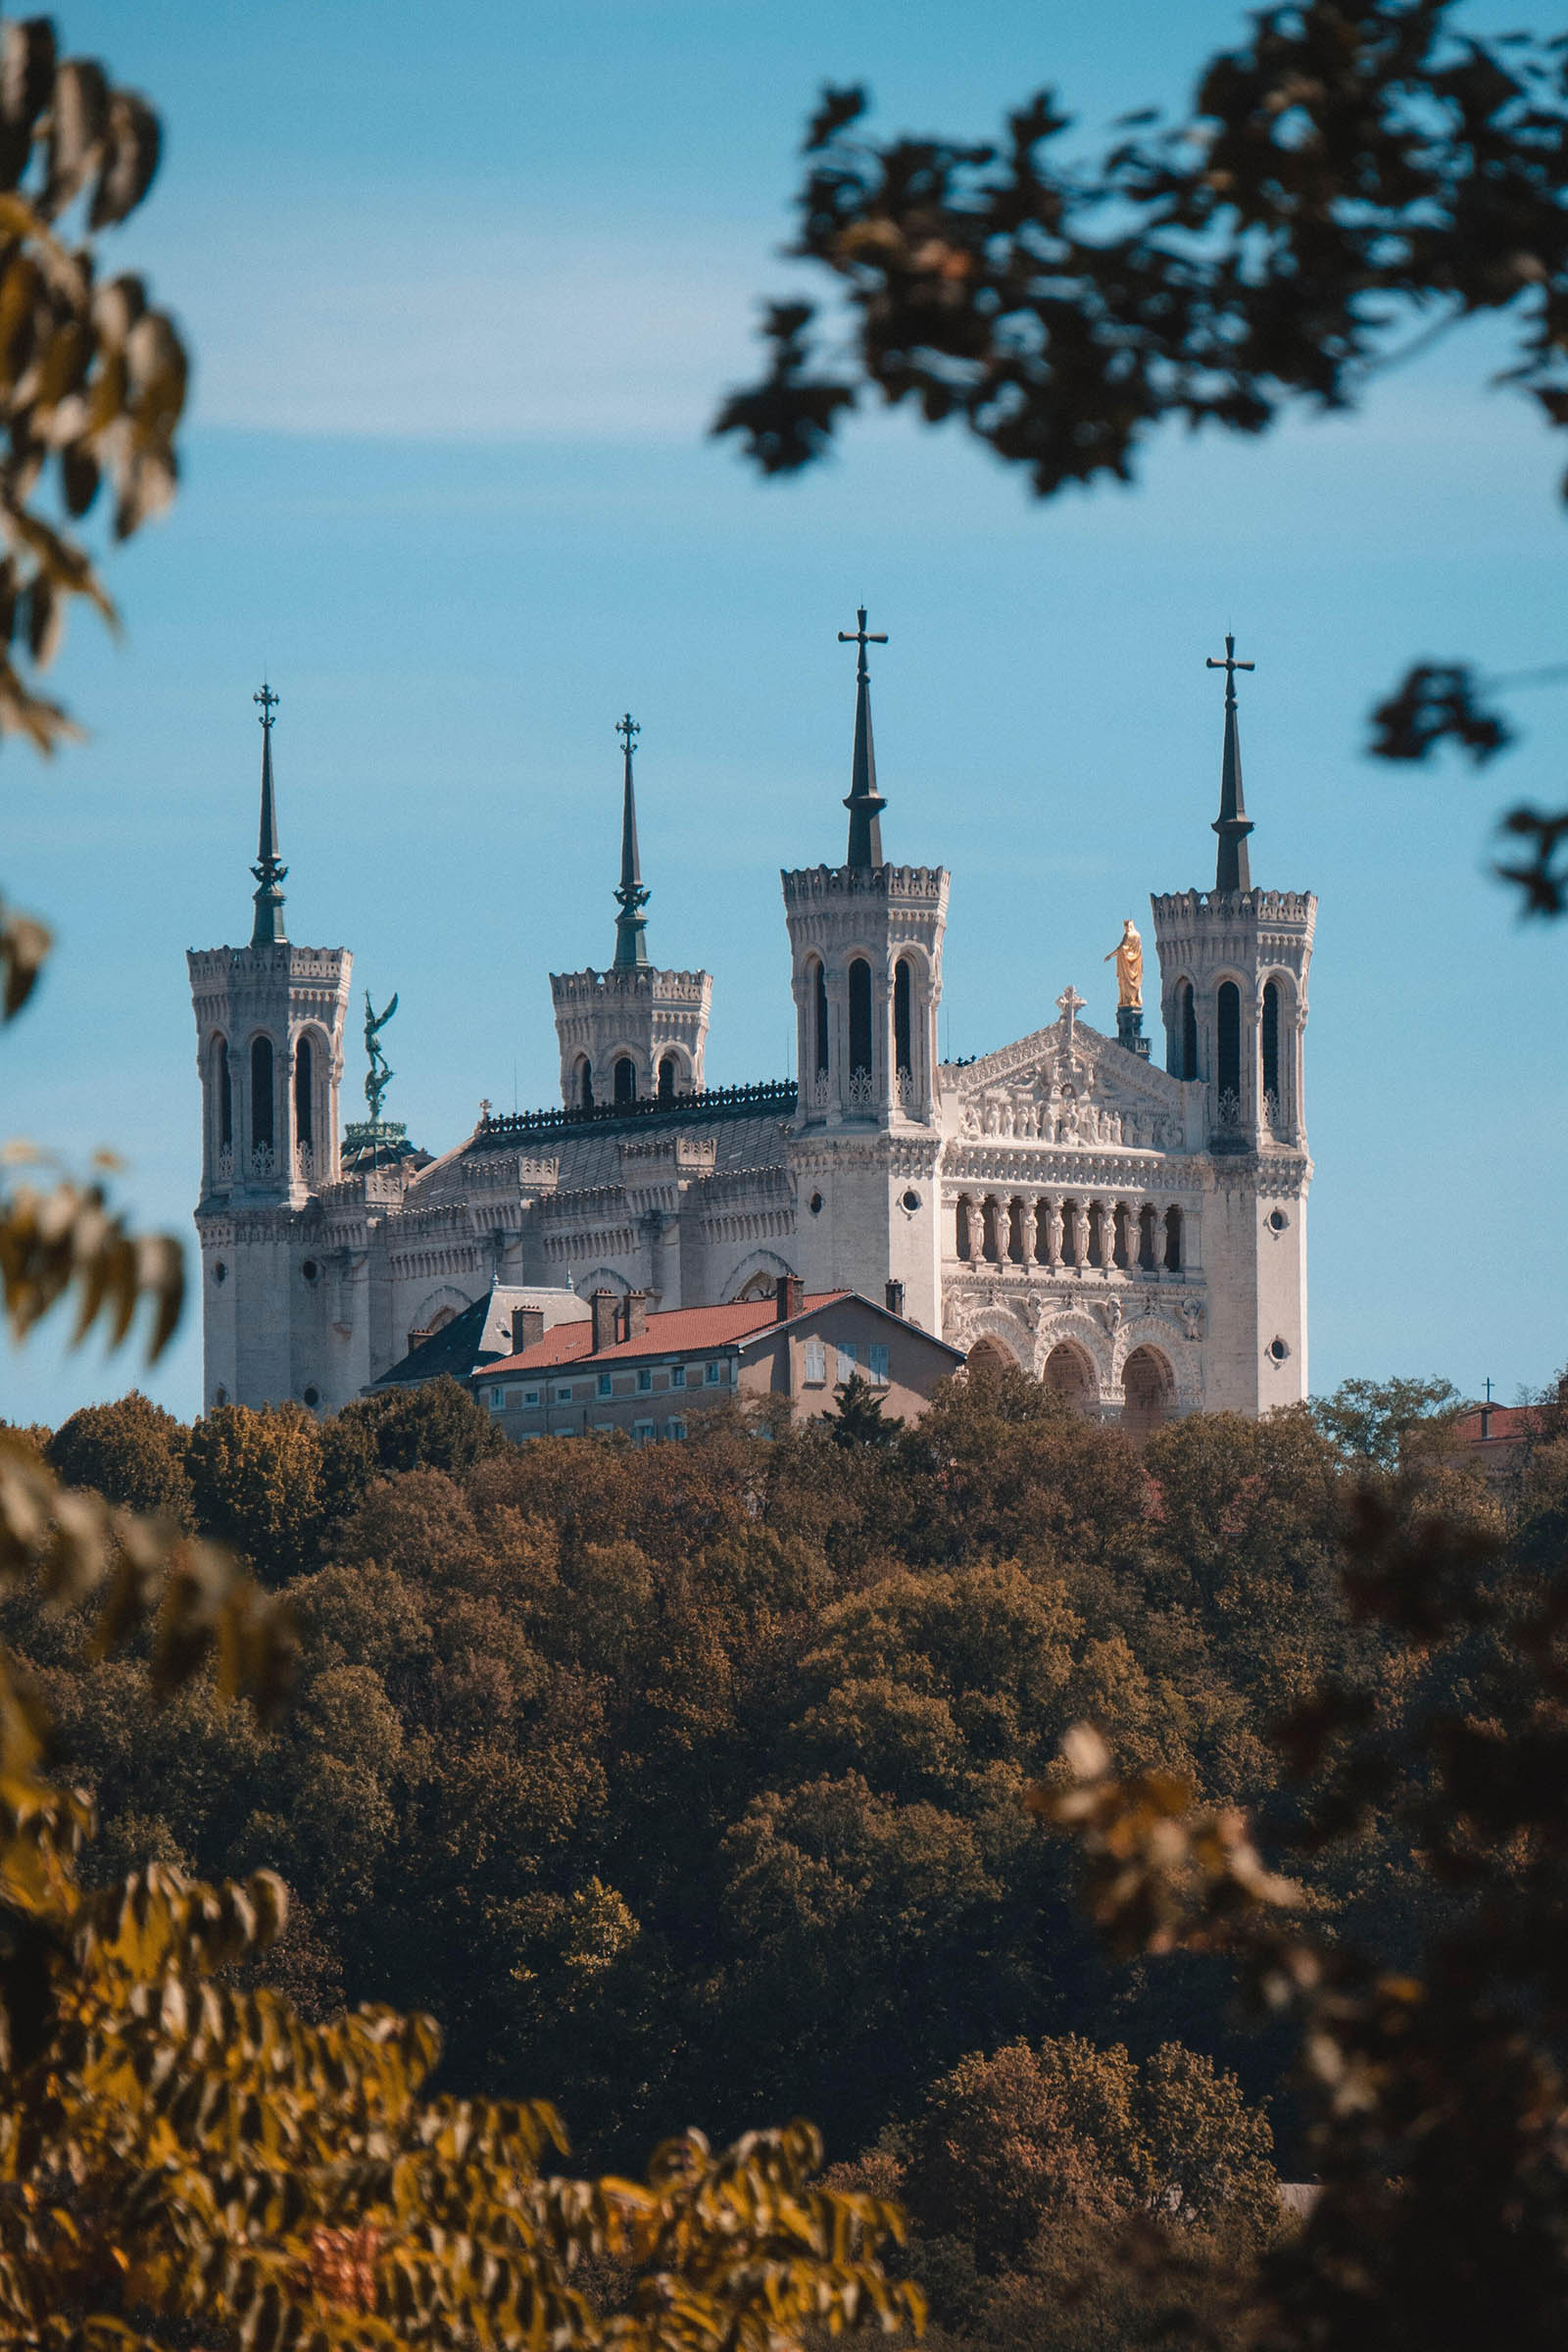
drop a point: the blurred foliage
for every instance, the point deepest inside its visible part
(1353, 179)
(1434, 2081)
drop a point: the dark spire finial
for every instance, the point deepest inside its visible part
(267, 929)
(631, 950)
(1232, 871)
(864, 804)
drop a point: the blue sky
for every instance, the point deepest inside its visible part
(463, 287)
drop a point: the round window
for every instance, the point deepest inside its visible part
(219, 1272)
(814, 1204)
(1277, 1220)
(911, 1200)
(310, 1269)
(1279, 1350)
(313, 1397)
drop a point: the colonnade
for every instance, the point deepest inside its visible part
(1070, 1232)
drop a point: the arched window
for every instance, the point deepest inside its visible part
(1271, 1043)
(626, 1079)
(667, 1079)
(224, 1089)
(1186, 1031)
(262, 1134)
(1228, 1025)
(820, 1016)
(1174, 1239)
(860, 1018)
(585, 1083)
(901, 1058)
(304, 1115)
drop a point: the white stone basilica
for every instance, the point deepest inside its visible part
(1134, 1235)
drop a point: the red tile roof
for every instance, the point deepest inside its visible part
(1510, 1421)
(677, 1331)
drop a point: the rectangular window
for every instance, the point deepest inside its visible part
(849, 1358)
(714, 1374)
(607, 1387)
(530, 1396)
(563, 1396)
(643, 1432)
(879, 1363)
(498, 1398)
(815, 1364)
(677, 1376)
(645, 1379)
(675, 1428)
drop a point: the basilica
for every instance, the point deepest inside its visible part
(1135, 1235)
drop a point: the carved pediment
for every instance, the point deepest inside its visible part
(1070, 1085)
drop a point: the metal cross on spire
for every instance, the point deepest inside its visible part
(1230, 665)
(864, 804)
(1231, 872)
(861, 636)
(268, 702)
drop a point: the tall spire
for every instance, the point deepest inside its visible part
(864, 804)
(267, 930)
(1232, 871)
(631, 949)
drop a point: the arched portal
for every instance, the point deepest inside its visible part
(990, 1356)
(583, 1083)
(626, 1079)
(819, 1015)
(668, 1074)
(1070, 1374)
(1147, 1391)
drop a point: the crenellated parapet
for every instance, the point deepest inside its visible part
(924, 886)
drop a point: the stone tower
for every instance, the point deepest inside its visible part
(269, 1023)
(1233, 965)
(865, 949)
(632, 1032)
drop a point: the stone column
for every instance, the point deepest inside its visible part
(967, 1228)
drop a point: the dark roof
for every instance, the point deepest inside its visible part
(473, 1338)
(454, 1350)
(777, 1095)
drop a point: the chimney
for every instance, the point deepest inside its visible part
(636, 1314)
(527, 1328)
(603, 1305)
(894, 1299)
(791, 1295)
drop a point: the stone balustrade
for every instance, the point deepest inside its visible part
(1069, 1233)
